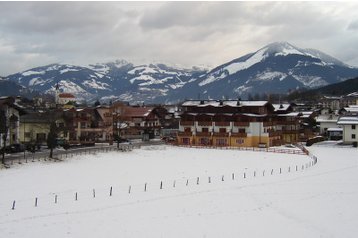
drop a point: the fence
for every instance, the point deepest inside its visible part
(59, 155)
(257, 149)
(147, 187)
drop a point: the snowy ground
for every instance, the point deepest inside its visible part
(318, 201)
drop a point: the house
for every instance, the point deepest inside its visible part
(10, 113)
(349, 123)
(325, 122)
(35, 126)
(235, 123)
(142, 122)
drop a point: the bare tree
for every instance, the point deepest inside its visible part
(52, 138)
(3, 130)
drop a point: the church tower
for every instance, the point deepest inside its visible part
(57, 93)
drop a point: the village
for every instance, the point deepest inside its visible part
(26, 124)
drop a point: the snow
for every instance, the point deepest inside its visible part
(68, 70)
(319, 201)
(36, 81)
(256, 58)
(214, 77)
(94, 84)
(268, 76)
(310, 81)
(30, 72)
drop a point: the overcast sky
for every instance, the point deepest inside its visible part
(184, 33)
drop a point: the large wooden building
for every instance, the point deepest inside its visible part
(236, 123)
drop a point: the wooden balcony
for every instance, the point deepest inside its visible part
(287, 123)
(274, 133)
(221, 134)
(183, 133)
(238, 134)
(269, 123)
(187, 123)
(242, 123)
(203, 134)
(205, 123)
(290, 131)
(222, 123)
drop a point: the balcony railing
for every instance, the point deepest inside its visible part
(221, 134)
(222, 123)
(184, 133)
(204, 134)
(286, 122)
(187, 123)
(205, 123)
(290, 131)
(239, 134)
(274, 133)
(242, 123)
(269, 123)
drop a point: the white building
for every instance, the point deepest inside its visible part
(349, 124)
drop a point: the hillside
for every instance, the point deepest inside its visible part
(277, 68)
(347, 87)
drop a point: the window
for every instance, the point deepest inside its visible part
(241, 130)
(221, 142)
(187, 129)
(27, 134)
(222, 130)
(204, 141)
(353, 136)
(185, 141)
(205, 129)
(353, 127)
(240, 141)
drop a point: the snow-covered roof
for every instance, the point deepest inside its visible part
(351, 109)
(281, 107)
(335, 129)
(291, 114)
(223, 103)
(348, 120)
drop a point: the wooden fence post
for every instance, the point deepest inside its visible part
(174, 184)
(233, 176)
(222, 178)
(94, 193)
(13, 205)
(209, 180)
(244, 175)
(271, 171)
(197, 180)
(187, 182)
(110, 191)
(263, 173)
(161, 184)
(35, 202)
(56, 198)
(145, 187)
(76, 197)
(130, 188)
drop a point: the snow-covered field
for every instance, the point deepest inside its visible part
(317, 201)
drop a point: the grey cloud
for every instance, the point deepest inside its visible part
(188, 33)
(353, 25)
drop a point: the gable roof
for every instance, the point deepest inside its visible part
(137, 111)
(66, 95)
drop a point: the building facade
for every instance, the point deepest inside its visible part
(236, 123)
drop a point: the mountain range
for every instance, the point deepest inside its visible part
(276, 68)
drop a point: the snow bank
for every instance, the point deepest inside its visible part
(318, 201)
